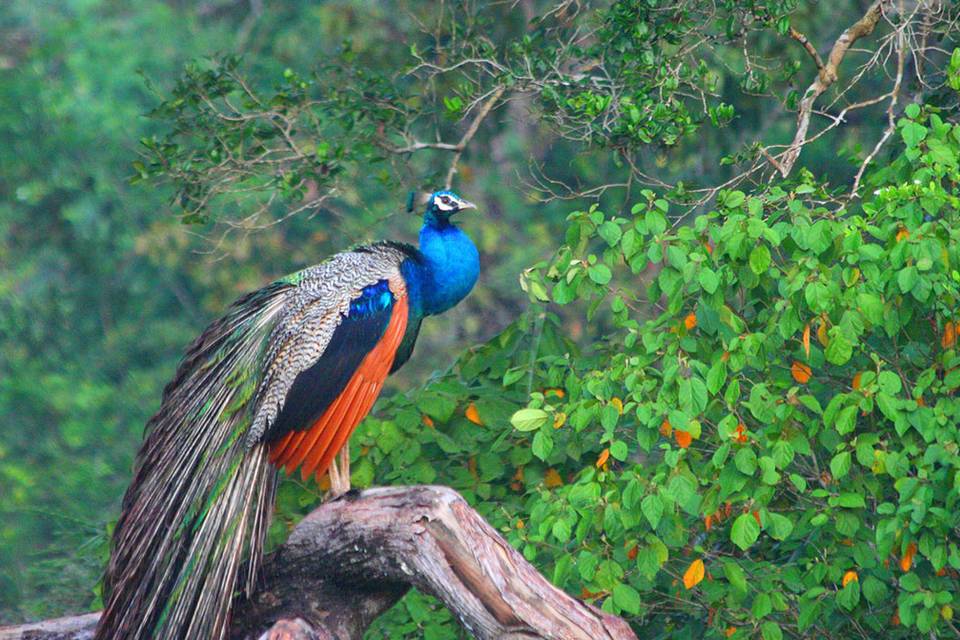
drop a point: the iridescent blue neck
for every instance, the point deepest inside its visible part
(451, 264)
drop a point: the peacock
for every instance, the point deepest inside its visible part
(279, 382)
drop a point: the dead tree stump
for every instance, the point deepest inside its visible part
(351, 559)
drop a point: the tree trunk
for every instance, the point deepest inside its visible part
(351, 559)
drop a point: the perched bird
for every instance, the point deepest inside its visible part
(281, 380)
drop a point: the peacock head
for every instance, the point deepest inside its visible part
(442, 205)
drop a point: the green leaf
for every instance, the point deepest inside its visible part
(778, 526)
(627, 598)
(840, 465)
(851, 501)
(760, 259)
(611, 232)
(839, 350)
(771, 631)
(618, 450)
(708, 279)
(529, 419)
(913, 133)
(762, 605)
(600, 273)
(744, 531)
(542, 445)
(846, 420)
(746, 461)
(735, 576)
(907, 279)
(652, 507)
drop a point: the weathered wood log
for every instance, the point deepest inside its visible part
(351, 559)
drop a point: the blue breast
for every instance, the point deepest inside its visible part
(451, 267)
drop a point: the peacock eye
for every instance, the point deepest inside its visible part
(445, 199)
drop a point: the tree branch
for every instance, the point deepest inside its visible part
(351, 559)
(826, 76)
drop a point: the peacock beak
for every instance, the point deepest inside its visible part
(464, 204)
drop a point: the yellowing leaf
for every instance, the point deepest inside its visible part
(603, 457)
(552, 479)
(694, 574)
(618, 405)
(559, 419)
(822, 334)
(806, 340)
(472, 414)
(800, 372)
(949, 337)
(849, 577)
(902, 234)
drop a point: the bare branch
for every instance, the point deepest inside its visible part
(826, 76)
(802, 39)
(472, 131)
(891, 108)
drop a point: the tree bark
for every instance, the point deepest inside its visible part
(351, 559)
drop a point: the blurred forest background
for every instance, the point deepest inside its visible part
(123, 233)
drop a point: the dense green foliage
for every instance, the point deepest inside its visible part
(715, 393)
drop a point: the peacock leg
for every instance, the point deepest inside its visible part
(340, 472)
(335, 480)
(345, 465)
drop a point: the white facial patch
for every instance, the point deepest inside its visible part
(447, 203)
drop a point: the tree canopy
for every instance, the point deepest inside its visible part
(708, 379)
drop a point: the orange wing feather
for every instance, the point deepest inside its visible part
(313, 449)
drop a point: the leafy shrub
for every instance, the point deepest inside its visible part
(771, 452)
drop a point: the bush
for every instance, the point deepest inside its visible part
(775, 450)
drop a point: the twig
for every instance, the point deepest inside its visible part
(472, 131)
(891, 118)
(803, 40)
(826, 76)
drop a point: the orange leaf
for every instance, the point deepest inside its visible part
(902, 234)
(694, 574)
(560, 393)
(800, 372)
(683, 438)
(473, 415)
(552, 479)
(907, 560)
(665, 428)
(427, 420)
(806, 340)
(949, 335)
(756, 516)
(690, 321)
(729, 631)
(520, 524)
(856, 380)
(603, 457)
(849, 577)
(708, 522)
(632, 552)
(895, 620)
